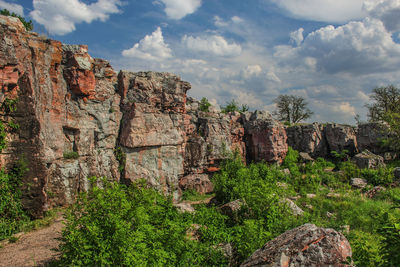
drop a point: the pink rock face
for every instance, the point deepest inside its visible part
(266, 138)
(199, 182)
(153, 128)
(306, 245)
(55, 85)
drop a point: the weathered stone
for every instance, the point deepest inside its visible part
(311, 195)
(153, 128)
(59, 111)
(369, 137)
(197, 182)
(308, 138)
(306, 245)
(265, 138)
(230, 209)
(211, 138)
(184, 207)
(305, 157)
(341, 137)
(358, 183)
(368, 160)
(295, 210)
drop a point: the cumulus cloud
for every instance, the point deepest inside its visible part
(151, 47)
(60, 17)
(212, 44)
(18, 9)
(358, 47)
(336, 11)
(297, 37)
(251, 71)
(388, 11)
(178, 9)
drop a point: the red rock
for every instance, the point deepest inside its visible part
(306, 245)
(199, 182)
(266, 138)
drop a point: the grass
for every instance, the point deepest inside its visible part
(71, 155)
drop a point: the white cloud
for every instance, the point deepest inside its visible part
(178, 9)
(151, 47)
(297, 36)
(18, 9)
(60, 17)
(251, 70)
(346, 108)
(212, 44)
(388, 11)
(358, 47)
(337, 11)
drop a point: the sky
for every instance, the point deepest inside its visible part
(331, 52)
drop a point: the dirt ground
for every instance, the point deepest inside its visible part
(33, 248)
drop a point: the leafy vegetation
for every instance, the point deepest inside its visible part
(27, 24)
(71, 155)
(113, 224)
(233, 106)
(385, 101)
(204, 105)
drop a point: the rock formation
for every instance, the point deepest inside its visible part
(306, 245)
(64, 100)
(77, 118)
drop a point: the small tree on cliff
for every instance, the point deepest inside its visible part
(28, 24)
(291, 109)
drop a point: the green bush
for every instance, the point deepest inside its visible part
(12, 217)
(115, 225)
(204, 105)
(381, 176)
(71, 155)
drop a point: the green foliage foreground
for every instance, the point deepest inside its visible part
(113, 224)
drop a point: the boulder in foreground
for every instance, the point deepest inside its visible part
(306, 245)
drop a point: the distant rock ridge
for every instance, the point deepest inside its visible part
(79, 118)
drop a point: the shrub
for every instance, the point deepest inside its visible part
(11, 214)
(204, 105)
(381, 176)
(71, 155)
(130, 226)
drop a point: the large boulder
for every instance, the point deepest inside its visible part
(307, 245)
(368, 160)
(265, 137)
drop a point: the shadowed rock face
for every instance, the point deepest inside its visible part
(64, 98)
(308, 138)
(306, 245)
(266, 138)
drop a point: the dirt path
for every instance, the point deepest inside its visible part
(33, 248)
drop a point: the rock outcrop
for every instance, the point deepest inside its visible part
(368, 160)
(308, 138)
(153, 128)
(63, 100)
(306, 245)
(265, 137)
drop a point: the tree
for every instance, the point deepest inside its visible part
(292, 109)
(386, 100)
(27, 24)
(233, 106)
(204, 105)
